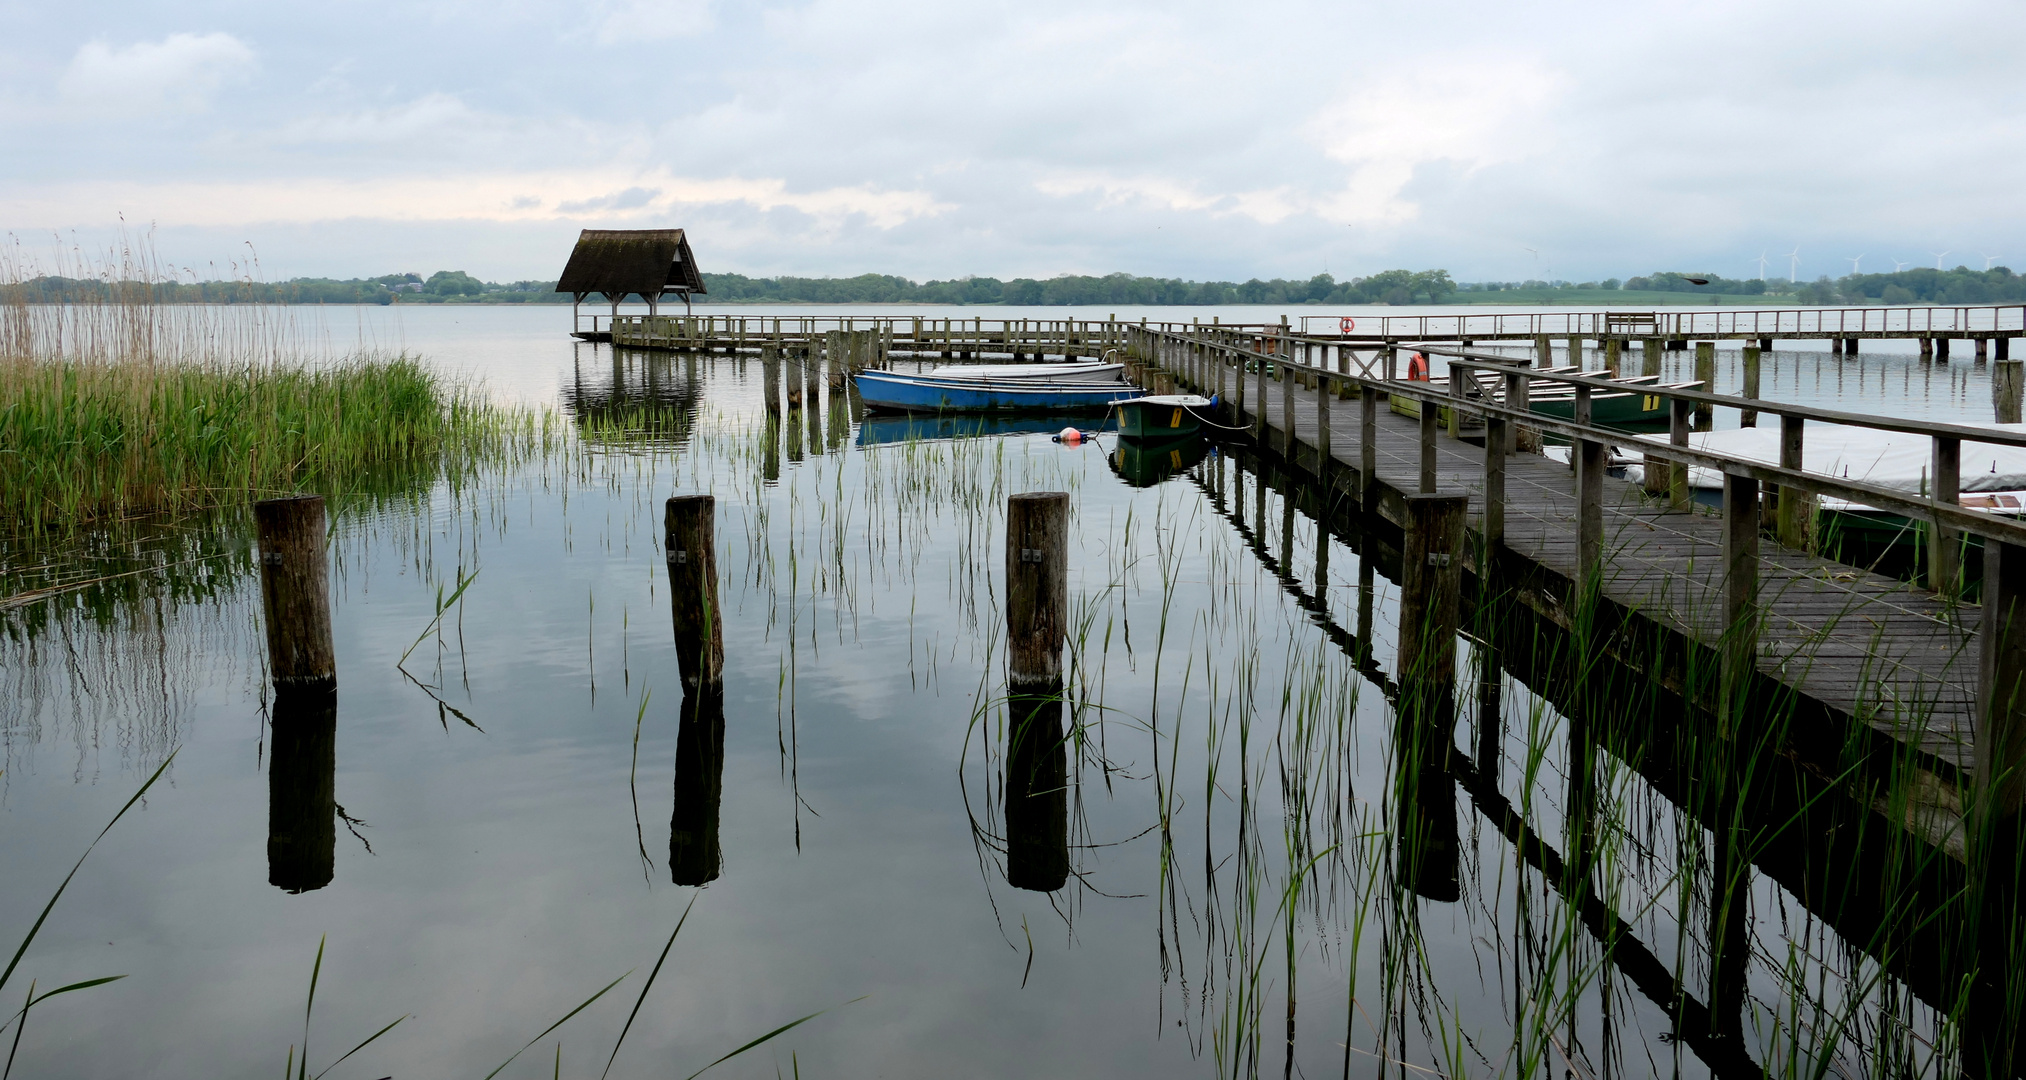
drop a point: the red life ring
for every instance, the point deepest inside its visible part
(1417, 368)
(1347, 324)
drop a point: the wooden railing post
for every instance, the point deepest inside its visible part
(1368, 446)
(1324, 394)
(1497, 444)
(1797, 507)
(1428, 429)
(1287, 382)
(1705, 373)
(1679, 497)
(1945, 546)
(1739, 654)
(1592, 457)
(1259, 416)
(1748, 417)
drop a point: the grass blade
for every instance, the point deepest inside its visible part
(557, 1024)
(642, 1000)
(764, 1038)
(361, 1046)
(47, 908)
(317, 969)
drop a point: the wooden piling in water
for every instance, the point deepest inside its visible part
(1705, 373)
(2008, 381)
(295, 591)
(1748, 417)
(1037, 587)
(1996, 825)
(1945, 544)
(770, 377)
(690, 547)
(1544, 351)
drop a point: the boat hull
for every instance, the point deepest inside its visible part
(912, 394)
(1027, 373)
(1159, 418)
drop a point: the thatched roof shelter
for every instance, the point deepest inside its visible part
(616, 263)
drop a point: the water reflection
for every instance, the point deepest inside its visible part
(1037, 793)
(693, 854)
(1144, 463)
(302, 808)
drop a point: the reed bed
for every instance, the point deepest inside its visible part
(122, 406)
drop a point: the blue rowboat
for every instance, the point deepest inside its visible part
(923, 427)
(915, 393)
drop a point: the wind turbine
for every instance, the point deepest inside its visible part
(1939, 256)
(1853, 261)
(1898, 265)
(1989, 259)
(1762, 266)
(1793, 265)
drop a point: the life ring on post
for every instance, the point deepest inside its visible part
(1346, 324)
(1417, 368)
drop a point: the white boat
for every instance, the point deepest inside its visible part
(1081, 371)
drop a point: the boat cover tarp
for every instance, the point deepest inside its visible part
(1887, 458)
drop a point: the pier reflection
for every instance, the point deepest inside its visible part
(635, 396)
(302, 789)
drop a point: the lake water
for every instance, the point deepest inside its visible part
(514, 801)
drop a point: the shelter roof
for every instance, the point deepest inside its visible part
(617, 262)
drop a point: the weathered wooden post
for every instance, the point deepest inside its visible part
(694, 857)
(1368, 446)
(1650, 356)
(1544, 351)
(1037, 613)
(770, 377)
(1325, 393)
(295, 592)
(1259, 414)
(1431, 587)
(1945, 545)
(1748, 417)
(1591, 459)
(1942, 349)
(1705, 373)
(302, 802)
(1738, 656)
(1614, 353)
(1983, 349)
(1497, 444)
(2008, 382)
(1679, 497)
(1576, 352)
(1996, 827)
(1287, 384)
(690, 546)
(1430, 415)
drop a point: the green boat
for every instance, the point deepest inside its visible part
(1161, 416)
(1635, 408)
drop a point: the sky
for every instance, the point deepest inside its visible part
(1500, 141)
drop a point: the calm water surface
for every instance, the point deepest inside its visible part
(506, 799)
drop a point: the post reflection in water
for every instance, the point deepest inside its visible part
(302, 789)
(1425, 834)
(693, 854)
(1037, 793)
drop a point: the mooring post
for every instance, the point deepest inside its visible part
(301, 788)
(1942, 349)
(1739, 654)
(1983, 349)
(1544, 351)
(1946, 545)
(1997, 856)
(1679, 498)
(1650, 356)
(1748, 417)
(1592, 458)
(2004, 348)
(1576, 352)
(770, 377)
(796, 358)
(1614, 353)
(1705, 373)
(1927, 347)
(1797, 507)
(1037, 605)
(2008, 381)
(690, 547)
(295, 592)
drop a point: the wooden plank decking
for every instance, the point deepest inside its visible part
(1862, 645)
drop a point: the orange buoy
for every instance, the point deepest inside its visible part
(1347, 324)
(1417, 368)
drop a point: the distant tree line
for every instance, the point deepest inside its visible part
(1388, 287)
(1397, 287)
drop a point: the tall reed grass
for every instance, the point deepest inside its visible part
(121, 406)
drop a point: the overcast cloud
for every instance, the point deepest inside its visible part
(933, 140)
